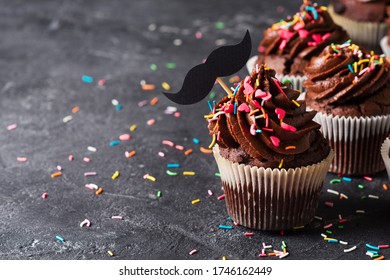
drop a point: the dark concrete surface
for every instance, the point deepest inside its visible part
(45, 49)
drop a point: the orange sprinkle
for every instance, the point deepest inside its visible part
(284, 250)
(188, 152)
(385, 187)
(254, 112)
(99, 191)
(154, 101)
(206, 151)
(148, 87)
(271, 254)
(57, 174)
(380, 258)
(290, 148)
(130, 154)
(75, 109)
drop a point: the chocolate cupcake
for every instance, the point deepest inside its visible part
(350, 89)
(385, 152)
(364, 20)
(271, 155)
(289, 45)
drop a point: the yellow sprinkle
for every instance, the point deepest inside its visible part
(213, 142)
(111, 254)
(115, 175)
(133, 127)
(281, 164)
(296, 103)
(257, 82)
(224, 258)
(328, 238)
(151, 178)
(166, 86)
(253, 112)
(188, 173)
(324, 8)
(363, 61)
(209, 116)
(355, 67)
(299, 227)
(195, 201)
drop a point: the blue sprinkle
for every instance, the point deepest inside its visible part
(228, 218)
(347, 179)
(87, 79)
(333, 241)
(259, 131)
(313, 10)
(59, 238)
(195, 140)
(173, 165)
(372, 247)
(350, 68)
(210, 106)
(225, 227)
(118, 107)
(114, 143)
(235, 108)
(235, 91)
(372, 252)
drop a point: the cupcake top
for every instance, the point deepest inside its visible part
(262, 124)
(289, 44)
(361, 10)
(349, 81)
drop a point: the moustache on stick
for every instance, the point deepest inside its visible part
(222, 62)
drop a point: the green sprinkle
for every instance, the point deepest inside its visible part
(159, 194)
(360, 186)
(329, 232)
(340, 226)
(220, 25)
(335, 181)
(212, 95)
(153, 67)
(170, 173)
(284, 244)
(218, 174)
(364, 197)
(287, 81)
(170, 65)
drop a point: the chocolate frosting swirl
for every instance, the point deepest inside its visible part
(263, 124)
(347, 80)
(289, 44)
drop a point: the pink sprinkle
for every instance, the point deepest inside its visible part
(303, 33)
(275, 141)
(11, 127)
(263, 95)
(261, 49)
(383, 246)
(282, 44)
(257, 104)
(198, 35)
(59, 167)
(161, 154)
(281, 113)
(317, 38)
(176, 114)
(70, 157)
(169, 143)
(298, 26)
(44, 195)
(248, 234)
(210, 192)
(86, 159)
(248, 89)
(117, 217)
(268, 129)
(124, 137)
(102, 82)
(229, 108)
(21, 159)
(244, 108)
(288, 127)
(221, 197)
(328, 203)
(142, 103)
(179, 147)
(367, 178)
(219, 135)
(236, 224)
(328, 226)
(193, 252)
(343, 221)
(89, 174)
(151, 122)
(89, 186)
(285, 34)
(253, 130)
(262, 255)
(326, 36)
(276, 81)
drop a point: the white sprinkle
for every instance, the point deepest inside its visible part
(267, 247)
(152, 27)
(324, 235)
(89, 174)
(284, 255)
(117, 217)
(318, 218)
(86, 159)
(340, 217)
(161, 154)
(11, 127)
(67, 119)
(373, 196)
(59, 167)
(210, 192)
(114, 102)
(220, 42)
(92, 186)
(86, 222)
(350, 249)
(193, 252)
(91, 149)
(21, 159)
(360, 211)
(333, 191)
(177, 42)
(343, 196)
(171, 109)
(343, 242)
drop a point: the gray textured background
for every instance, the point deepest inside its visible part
(45, 48)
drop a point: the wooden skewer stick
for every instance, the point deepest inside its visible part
(224, 86)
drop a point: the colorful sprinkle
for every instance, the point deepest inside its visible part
(114, 143)
(111, 254)
(206, 151)
(367, 178)
(99, 191)
(372, 247)
(89, 174)
(133, 127)
(188, 152)
(195, 201)
(21, 159)
(350, 249)
(150, 178)
(11, 127)
(193, 252)
(334, 181)
(124, 137)
(225, 227)
(87, 79)
(168, 143)
(115, 175)
(170, 173)
(188, 173)
(59, 238)
(221, 197)
(56, 174)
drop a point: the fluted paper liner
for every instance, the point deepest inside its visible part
(355, 141)
(271, 199)
(297, 81)
(361, 32)
(385, 155)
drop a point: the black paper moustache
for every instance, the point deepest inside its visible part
(222, 62)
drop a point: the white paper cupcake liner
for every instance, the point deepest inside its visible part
(361, 32)
(385, 47)
(385, 155)
(297, 81)
(355, 141)
(271, 199)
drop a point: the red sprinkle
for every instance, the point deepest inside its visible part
(383, 246)
(248, 234)
(221, 197)
(367, 178)
(343, 221)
